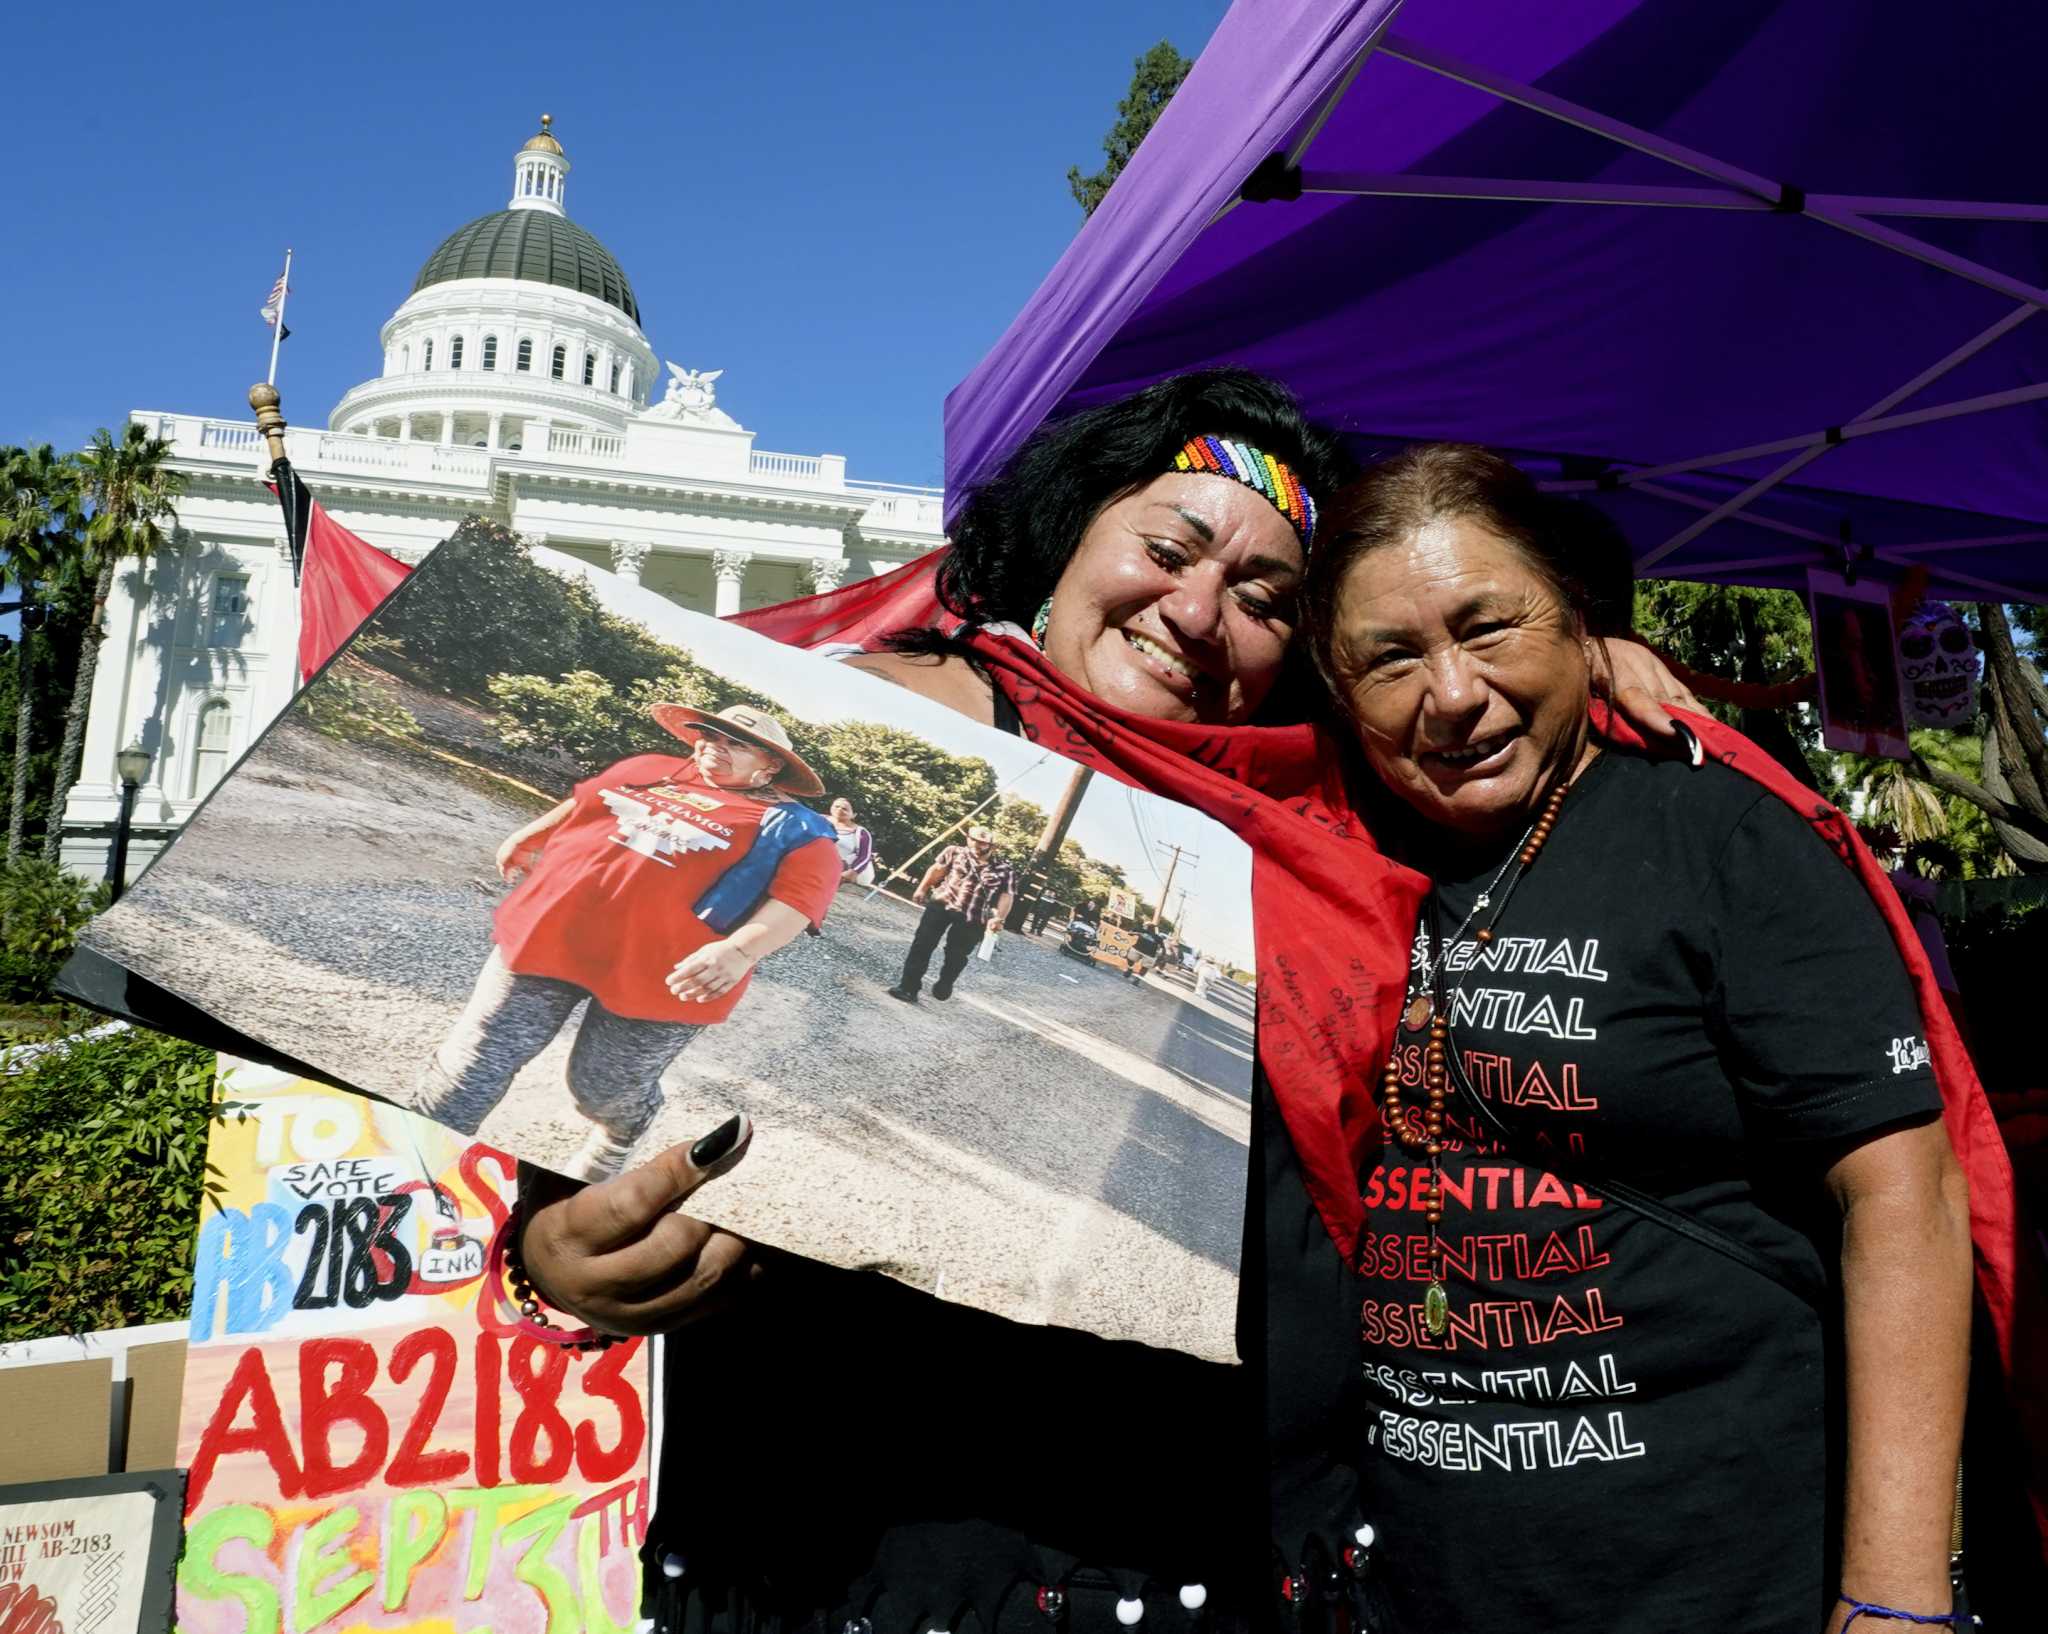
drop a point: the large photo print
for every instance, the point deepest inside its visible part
(580, 873)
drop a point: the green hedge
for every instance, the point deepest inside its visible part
(102, 1175)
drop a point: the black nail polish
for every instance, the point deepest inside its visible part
(716, 1144)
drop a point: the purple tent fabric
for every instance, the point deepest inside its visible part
(1616, 312)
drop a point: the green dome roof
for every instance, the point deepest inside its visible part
(537, 246)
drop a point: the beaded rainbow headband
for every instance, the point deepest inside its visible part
(1258, 471)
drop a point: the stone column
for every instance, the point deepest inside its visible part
(628, 559)
(405, 428)
(729, 568)
(497, 426)
(828, 573)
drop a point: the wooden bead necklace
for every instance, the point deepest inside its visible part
(1427, 1010)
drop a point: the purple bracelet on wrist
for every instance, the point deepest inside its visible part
(1859, 1608)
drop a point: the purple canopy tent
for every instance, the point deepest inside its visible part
(1715, 266)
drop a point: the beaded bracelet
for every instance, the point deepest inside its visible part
(528, 1318)
(1860, 1608)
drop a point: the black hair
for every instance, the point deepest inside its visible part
(1021, 527)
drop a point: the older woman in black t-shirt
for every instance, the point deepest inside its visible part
(1666, 1264)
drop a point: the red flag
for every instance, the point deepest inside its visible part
(346, 580)
(855, 615)
(342, 580)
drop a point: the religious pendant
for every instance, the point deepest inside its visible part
(1436, 1310)
(1416, 1016)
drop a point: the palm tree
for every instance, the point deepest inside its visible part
(132, 490)
(1911, 821)
(40, 519)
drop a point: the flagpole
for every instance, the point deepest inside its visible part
(277, 329)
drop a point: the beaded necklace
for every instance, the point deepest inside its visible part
(1427, 1010)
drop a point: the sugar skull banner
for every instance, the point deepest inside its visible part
(369, 1445)
(1940, 664)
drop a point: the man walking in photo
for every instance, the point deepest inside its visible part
(965, 893)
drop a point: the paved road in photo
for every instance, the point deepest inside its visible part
(1053, 1142)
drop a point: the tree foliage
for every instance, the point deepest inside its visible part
(104, 1179)
(1971, 803)
(489, 607)
(42, 548)
(1744, 634)
(131, 494)
(1154, 78)
(42, 910)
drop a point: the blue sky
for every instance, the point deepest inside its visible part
(840, 205)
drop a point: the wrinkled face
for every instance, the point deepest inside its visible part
(842, 812)
(1464, 675)
(1939, 661)
(733, 763)
(1179, 601)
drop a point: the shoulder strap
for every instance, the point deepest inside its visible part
(1700, 1231)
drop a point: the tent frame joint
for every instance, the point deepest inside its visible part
(1275, 181)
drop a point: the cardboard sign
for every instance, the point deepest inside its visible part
(368, 1447)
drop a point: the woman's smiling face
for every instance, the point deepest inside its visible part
(1464, 674)
(1179, 602)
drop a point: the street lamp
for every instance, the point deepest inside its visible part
(133, 765)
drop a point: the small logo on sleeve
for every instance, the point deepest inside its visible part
(1909, 1054)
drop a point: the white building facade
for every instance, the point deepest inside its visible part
(516, 384)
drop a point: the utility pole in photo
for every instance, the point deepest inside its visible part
(1166, 890)
(1038, 870)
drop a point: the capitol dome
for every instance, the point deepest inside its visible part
(520, 332)
(533, 245)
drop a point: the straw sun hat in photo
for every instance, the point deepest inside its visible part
(750, 725)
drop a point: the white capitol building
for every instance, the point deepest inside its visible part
(516, 383)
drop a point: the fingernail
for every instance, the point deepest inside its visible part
(718, 1143)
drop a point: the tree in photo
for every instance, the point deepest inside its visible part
(490, 599)
(1154, 78)
(909, 792)
(41, 523)
(131, 492)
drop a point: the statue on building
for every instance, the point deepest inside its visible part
(691, 396)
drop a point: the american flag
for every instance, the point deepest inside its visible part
(275, 304)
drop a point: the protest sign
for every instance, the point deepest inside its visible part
(91, 1555)
(368, 1444)
(1862, 698)
(577, 894)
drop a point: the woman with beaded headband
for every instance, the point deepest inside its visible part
(1125, 589)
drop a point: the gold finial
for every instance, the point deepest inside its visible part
(270, 422)
(545, 142)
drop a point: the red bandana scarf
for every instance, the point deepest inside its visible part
(1333, 917)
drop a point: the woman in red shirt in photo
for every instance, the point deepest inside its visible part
(651, 892)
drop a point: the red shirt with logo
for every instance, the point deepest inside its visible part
(610, 902)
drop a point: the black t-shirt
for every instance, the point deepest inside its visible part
(1622, 1428)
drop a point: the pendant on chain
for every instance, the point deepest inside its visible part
(1436, 1310)
(1416, 1016)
